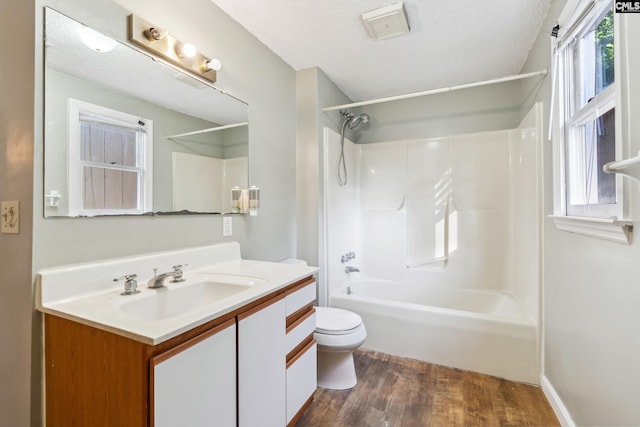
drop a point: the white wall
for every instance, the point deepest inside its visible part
(314, 91)
(591, 290)
(252, 72)
(484, 108)
(248, 65)
(16, 183)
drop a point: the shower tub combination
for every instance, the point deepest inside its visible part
(478, 330)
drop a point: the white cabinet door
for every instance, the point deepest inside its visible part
(262, 366)
(301, 380)
(194, 384)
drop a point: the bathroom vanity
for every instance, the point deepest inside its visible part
(231, 345)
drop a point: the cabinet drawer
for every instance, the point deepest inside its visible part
(300, 330)
(298, 298)
(301, 380)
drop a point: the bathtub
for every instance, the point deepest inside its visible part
(477, 330)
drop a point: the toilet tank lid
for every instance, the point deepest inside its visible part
(331, 319)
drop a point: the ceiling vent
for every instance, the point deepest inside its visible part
(387, 21)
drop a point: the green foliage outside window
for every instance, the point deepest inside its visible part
(604, 39)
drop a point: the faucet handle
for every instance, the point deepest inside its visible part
(177, 273)
(130, 284)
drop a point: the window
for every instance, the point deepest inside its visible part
(586, 137)
(110, 159)
(586, 64)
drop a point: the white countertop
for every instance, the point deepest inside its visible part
(100, 307)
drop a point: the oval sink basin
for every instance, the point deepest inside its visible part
(177, 299)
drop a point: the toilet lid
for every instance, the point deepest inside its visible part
(336, 321)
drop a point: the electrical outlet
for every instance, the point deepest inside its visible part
(10, 219)
(227, 226)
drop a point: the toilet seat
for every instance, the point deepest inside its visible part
(338, 333)
(335, 321)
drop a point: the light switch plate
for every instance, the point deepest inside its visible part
(227, 226)
(10, 220)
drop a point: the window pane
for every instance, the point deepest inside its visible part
(595, 58)
(108, 144)
(109, 189)
(604, 53)
(591, 146)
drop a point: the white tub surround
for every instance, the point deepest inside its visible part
(454, 224)
(86, 293)
(478, 330)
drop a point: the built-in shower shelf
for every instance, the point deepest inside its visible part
(435, 264)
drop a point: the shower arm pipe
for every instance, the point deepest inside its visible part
(436, 91)
(214, 129)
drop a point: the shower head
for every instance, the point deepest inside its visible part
(355, 121)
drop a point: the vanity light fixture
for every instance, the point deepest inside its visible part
(96, 41)
(161, 43)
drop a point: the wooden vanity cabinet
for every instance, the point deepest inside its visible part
(93, 377)
(98, 378)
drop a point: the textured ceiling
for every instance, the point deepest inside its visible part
(451, 41)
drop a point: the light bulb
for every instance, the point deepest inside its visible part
(213, 64)
(186, 49)
(96, 41)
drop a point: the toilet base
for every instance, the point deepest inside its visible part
(336, 370)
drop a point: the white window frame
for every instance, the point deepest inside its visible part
(602, 221)
(78, 109)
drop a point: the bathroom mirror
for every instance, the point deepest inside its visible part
(127, 134)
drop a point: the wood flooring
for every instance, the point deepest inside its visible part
(398, 392)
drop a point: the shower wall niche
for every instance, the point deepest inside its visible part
(456, 212)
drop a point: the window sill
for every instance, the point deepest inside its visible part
(602, 228)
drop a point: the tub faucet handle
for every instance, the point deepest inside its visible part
(347, 257)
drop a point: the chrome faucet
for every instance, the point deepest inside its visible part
(130, 284)
(348, 269)
(157, 281)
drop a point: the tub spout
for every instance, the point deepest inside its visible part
(348, 269)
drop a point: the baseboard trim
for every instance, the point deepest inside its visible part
(556, 403)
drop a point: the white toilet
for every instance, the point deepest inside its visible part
(338, 333)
